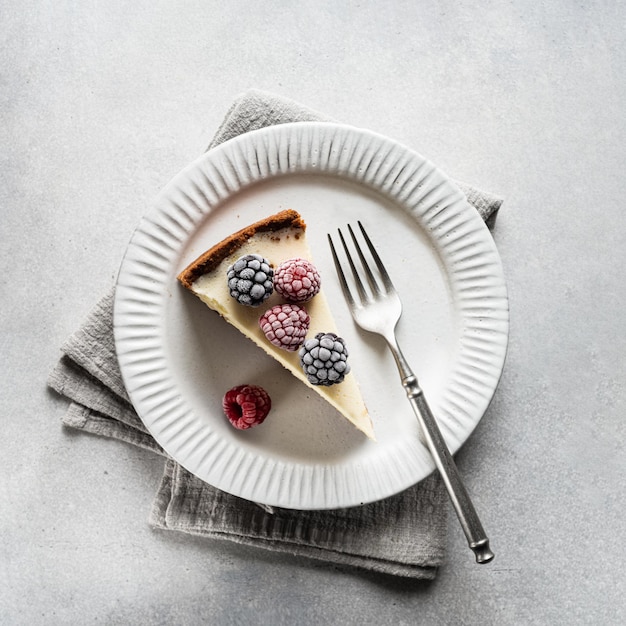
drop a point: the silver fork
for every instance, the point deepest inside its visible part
(378, 310)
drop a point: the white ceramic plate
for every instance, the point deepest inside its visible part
(178, 357)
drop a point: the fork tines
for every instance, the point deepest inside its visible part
(379, 283)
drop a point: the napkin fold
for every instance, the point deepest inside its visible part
(403, 535)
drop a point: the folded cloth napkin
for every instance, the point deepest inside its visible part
(403, 535)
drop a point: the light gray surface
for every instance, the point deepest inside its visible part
(103, 102)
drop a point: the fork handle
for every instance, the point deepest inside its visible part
(461, 501)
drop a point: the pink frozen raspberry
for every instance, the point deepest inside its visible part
(246, 406)
(285, 325)
(297, 280)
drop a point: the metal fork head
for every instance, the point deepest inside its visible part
(374, 303)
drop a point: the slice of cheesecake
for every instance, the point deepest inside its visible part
(277, 238)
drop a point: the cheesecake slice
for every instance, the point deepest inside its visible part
(277, 238)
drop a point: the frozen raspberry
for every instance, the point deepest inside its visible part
(324, 359)
(250, 279)
(297, 280)
(285, 325)
(246, 406)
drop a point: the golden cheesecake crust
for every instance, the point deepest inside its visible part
(210, 259)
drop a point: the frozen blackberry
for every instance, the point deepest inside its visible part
(285, 325)
(324, 359)
(246, 406)
(251, 279)
(297, 280)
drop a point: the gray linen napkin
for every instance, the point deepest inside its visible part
(403, 535)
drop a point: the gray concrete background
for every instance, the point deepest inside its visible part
(102, 102)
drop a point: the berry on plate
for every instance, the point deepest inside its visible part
(246, 406)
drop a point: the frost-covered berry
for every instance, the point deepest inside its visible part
(285, 325)
(246, 406)
(297, 280)
(324, 359)
(251, 279)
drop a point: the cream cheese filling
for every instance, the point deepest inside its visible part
(213, 290)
